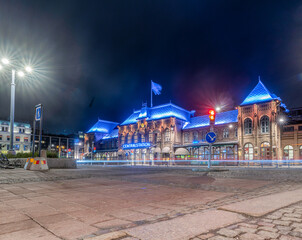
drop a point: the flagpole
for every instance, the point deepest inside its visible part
(151, 95)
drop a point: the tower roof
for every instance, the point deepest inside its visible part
(259, 94)
(103, 126)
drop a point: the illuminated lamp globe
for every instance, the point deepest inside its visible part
(21, 74)
(28, 69)
(5, 61)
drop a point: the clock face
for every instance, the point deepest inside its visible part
(142, 125)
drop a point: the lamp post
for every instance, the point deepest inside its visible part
(5, 61)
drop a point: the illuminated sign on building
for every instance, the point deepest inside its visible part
(136, 145)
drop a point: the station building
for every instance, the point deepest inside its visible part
(260, 128)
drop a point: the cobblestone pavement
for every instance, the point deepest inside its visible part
(283, 224)
(90, 202)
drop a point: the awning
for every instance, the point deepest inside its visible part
(181, 151)
(166, 150)
(157, 150)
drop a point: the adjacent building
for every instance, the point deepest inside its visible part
(259, 128)
(22, 135)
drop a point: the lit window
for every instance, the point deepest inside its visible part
(186, 137)
(264, 124)
(195, 136)
(167, 135)
(226, 133)
(26, 139)
(288, 152)
(248, 126)
(17, 139)
(248, 151)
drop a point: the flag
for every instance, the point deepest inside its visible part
(156, 88)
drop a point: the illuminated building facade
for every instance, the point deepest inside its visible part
(259, 128)
(22, 135)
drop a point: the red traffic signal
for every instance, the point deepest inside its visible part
(212, 114)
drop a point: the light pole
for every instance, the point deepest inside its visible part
(5, 61)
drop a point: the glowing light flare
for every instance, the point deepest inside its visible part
(5, 61)
(218, 109)
(21, 74)
(28, 69)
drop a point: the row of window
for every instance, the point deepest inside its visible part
(202, 135)
(288, 151)
(5, 129)
(18, 147)
(264, 125)
(17, 138)
(291, 129)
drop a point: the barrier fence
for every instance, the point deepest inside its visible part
(195, 163)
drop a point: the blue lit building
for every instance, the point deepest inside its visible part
(259, 128)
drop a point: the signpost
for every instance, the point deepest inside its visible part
(38, 118)
(210, 138)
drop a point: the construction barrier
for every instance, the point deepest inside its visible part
(36, 164)
(28, 163)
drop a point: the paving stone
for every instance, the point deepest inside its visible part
(206, 236)
(228, 233)
(248, 225)
(251, 236)
(296, 234)
(266, 224)
(286, 237)
(291, 219)
(247, 230)
(267, 234)
(283, 223)
(270, 229)
(220, 238)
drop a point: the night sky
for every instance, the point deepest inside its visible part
(96, 58)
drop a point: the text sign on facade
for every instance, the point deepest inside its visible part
(38, 112)
(211, 137)
(136, 145)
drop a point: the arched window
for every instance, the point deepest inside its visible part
(264, 124)
(195, 136)
(167, 135)
(265, 150)
(143, 138)
(248, 151)
(139, 137)
(226, 133)
(248, 126)
(288, 152)
(186, 137)
(132, 138)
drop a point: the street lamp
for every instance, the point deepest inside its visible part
(28, 69)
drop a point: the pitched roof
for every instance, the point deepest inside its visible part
(259, 94)
(159, 112)
(221, 118)
(113, 134)
(103, 126)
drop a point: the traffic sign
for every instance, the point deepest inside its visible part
(38, 112)
(211, 137)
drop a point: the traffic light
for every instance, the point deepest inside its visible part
(212, 115)
(94, 149)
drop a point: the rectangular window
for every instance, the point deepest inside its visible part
(0, 137)
(300, 128)
(7, 138)
(25, 147)
(17, 139)
(26, 139)
(288, 129)
(17, 147)
(7, 147)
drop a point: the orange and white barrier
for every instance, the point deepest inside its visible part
(36, 164)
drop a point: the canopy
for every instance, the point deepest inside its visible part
(181, 151)
(166, 150)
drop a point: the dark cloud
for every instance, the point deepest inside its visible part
(96, 58)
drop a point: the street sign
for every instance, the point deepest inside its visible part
(211, 137)
(38, 112)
